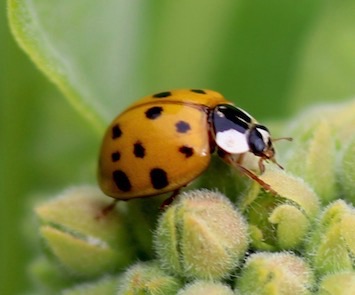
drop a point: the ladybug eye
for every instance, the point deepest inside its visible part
(259, 140)
(256, 142)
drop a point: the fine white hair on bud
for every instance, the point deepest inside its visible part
(201, 236)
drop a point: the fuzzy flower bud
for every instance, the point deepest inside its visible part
(347, 171)
(342, 283)
(148, 279)
(83, 244)
(206, 288)
(275, 273)
(331, 247)
(46, 276)
(313, 158)
(105, 286)
(281, 221)
(201, 235)
(317, 135)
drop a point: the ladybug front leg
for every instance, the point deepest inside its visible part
(228, 158)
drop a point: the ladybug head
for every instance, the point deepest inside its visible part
(236, 132)
(260, 144)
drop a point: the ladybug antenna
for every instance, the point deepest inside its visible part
(272, 159)
(275, 162)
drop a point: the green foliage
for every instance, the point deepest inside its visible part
(269, 57)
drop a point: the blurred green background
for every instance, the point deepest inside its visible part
(270, 57)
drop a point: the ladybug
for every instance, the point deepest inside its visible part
(164, 141)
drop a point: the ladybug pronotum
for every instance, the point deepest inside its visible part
(164, 141)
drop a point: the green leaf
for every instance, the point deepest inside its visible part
(104, 55)
(85, 56)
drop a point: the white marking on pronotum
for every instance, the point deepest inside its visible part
(264, 134)
(232, 141)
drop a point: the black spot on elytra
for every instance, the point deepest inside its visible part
(186, 150)
(162, 94)
(139, 150)
(115, 156)
(158, 178)
(116, 131)
(153, 112)
(182, 127)
(200, 91)
(121, 180)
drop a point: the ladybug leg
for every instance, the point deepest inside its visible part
(229, 159)
(107, 209)
(253, 176)
(240, 159)
(261, 165)
(169, 200)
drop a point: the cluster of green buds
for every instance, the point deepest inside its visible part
(239, 239)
